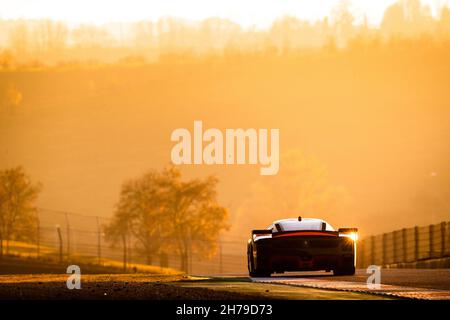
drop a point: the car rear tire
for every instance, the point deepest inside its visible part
(344, 271)
(254, 272)
(260, 274)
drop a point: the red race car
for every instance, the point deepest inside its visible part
(301, 244)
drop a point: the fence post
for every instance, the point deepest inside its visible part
(220, 257)
(360, 254)
(130, 251)
(68, 235)
(58, 231)
(372, 250)
(404, 244)
(189, 266)
(443, 238)
(99, 242)
(394, 247)
(416, 243)
(124, 244)
(38, 242)
(431, 231)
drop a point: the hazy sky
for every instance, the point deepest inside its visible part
(246, 12)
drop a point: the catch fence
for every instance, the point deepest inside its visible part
(406, 245)
(70, 237)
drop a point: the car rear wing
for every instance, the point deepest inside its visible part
(347, 230)
(260, 232)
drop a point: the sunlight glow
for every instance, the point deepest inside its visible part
(259, 13)
(353, 236)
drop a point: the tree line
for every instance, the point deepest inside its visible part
(46, 41)
(160, 211)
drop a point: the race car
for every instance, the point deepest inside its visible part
(301, 244)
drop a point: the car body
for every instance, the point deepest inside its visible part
(301, 244)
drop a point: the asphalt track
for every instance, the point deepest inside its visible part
(395, 284)
(433, 284)
(421, 278)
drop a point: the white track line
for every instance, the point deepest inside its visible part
(386, 290)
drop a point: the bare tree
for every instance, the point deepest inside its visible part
(117, 232)
(18, 214)
(195, 217)
(51, 35)
(165, 213)
(19, 38)
(302, 187)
